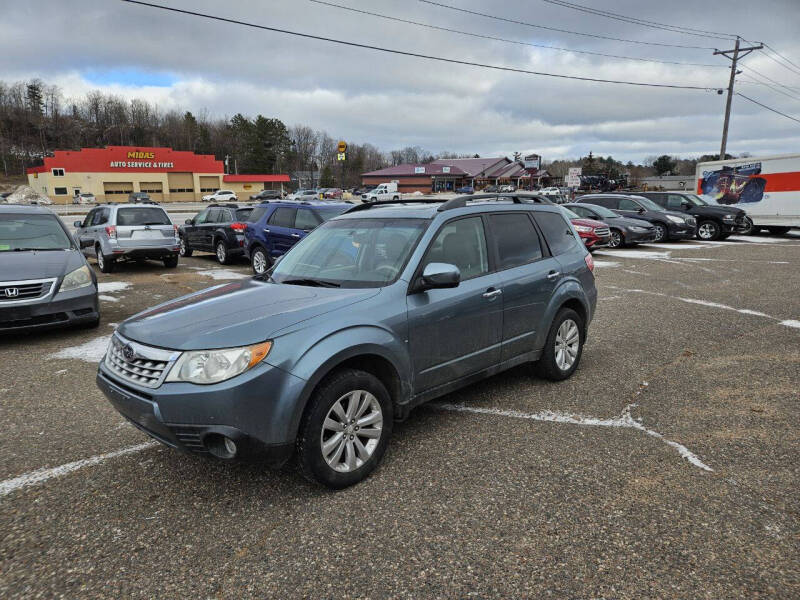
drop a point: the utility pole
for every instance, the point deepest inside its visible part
(734, 56)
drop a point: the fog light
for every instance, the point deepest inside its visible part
(220, 446)
(230, 446)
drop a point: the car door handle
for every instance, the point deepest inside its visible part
(295, 235)
(492, 293)
(265, 230)
(553, 275)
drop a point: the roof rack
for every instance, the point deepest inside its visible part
(366, 205)
(223, 205)
(516, 198)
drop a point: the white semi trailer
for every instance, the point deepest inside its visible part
(767, 187)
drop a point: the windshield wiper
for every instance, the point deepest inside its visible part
(154, 223)
(311, 282)
(39, 249)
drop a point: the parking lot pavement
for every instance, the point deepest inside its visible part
(667, 467)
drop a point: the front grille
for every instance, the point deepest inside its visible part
(32, 321)
(602, 231)
(137, 363)
(25, 291)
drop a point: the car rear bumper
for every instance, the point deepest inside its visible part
(78, 307)
(153, 252)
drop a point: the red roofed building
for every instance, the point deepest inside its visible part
(113, 172)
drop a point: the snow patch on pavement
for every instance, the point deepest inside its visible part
(222, 274)
(41, 475)
(91, 351)
(605, 263)
(791, 323)
(651, 254)
(109, 287)
(624, 420)
(108, 298)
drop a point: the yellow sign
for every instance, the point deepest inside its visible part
(340, 156)
(141, 155)
(342, 147)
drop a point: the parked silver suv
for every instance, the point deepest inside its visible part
(113, 232)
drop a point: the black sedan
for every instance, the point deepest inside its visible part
(625, 231)
(45, 281)
(669, 225)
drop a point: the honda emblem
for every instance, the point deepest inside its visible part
(12, 292)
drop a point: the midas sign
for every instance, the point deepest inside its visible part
(141, 154)
(140, 164)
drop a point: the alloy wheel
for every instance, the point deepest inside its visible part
(100, 260)
(259, 262)
(351, 431)
(568, 341)
(661, 232)
(616, 239)
(221, 253)
(707, 231)
(183, 246)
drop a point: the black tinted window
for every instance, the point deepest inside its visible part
(215, 216)
(283, 217)
(142, 216)
(607, 202)
(557, 232)
(516, 240)
(256, 214)
(461, 243)
(582, 212)
(305, 219)
(243, 214)
(627, 204)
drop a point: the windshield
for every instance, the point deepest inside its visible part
(351, 253)
(142, 216)
(603, 212)
(649, 204)
(328, 212)
(32, 232)
(696, 200)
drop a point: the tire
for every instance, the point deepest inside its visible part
(778, 230)
(662, 233)
(395, 198)
(260, 261)
(617, 239)
(221, 252)
(708, 231)
(751, 229)
(171, 262)
(348, 465)
(551, 365)
(105, 263)
(185, 250)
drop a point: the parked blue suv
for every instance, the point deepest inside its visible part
(375, 312)
(275, 226)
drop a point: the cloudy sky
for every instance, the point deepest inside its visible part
(180, 61)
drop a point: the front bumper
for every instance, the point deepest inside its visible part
(639, 237)
(65, 309)
(593, 241)
(681, 232)
(258, 410)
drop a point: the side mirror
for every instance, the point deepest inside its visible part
(190, 221)
(77, 224)
(685, 204)
(439, 275)
(641, 211)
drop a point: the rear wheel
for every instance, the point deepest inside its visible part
(616, 240)
(563, 348)
(185, 250)
(708, 231)
(345, 429)
(221, 250)
(750, 229)
(260, 261)
(171, 261)
(661, 232)
(104, 262)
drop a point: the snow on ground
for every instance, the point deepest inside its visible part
(91, 351)
(756, 239)
(222, 274)
(605, 263)
(109, 287)
(108, 298)
(791, 323)
(627, 253)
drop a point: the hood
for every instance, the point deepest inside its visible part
(630, 222)
(588, 223)
(16, 266)
(235, 314)
(718, 210)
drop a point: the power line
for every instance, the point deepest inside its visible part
(774, 89)
(751, 71)
(775, 60)
(499, 39)
(637, 21)
(414, 54)
(782, 56)
(592, 35)
(767, 107)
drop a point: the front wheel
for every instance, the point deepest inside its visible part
(345, 429)
(661, 232)
(708, 231)
(750, 228)
(616, 240)
(260, 261)
(564, 346)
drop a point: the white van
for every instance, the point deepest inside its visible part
(767, 187)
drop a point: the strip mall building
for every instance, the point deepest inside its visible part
(167, 175)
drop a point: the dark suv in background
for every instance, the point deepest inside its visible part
(668, 225)
(713, 222)
(375, 312)
(218, 229)
(274, 227)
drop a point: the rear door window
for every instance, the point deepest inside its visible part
(283, 217)
(256, 214)
(557, 232)
(516, 240)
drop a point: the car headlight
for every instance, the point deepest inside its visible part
(583, 229)
(212, 366)
(79, 278)
(678, 220)
(729, 218)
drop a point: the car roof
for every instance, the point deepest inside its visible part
(21, 209)
(132, 205)
(314, 203)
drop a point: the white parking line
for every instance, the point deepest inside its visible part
(625, 420)
(40, 475)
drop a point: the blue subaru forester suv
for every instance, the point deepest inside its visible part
(275, 226)
(375, 312)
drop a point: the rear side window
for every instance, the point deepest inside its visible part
(557, 232)
(283, 217)
(215, 216)
(461, 243)
(607, 202)
(142, 216)
(256, 214)
(516, 240)
(243, 214)
(305, 219)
